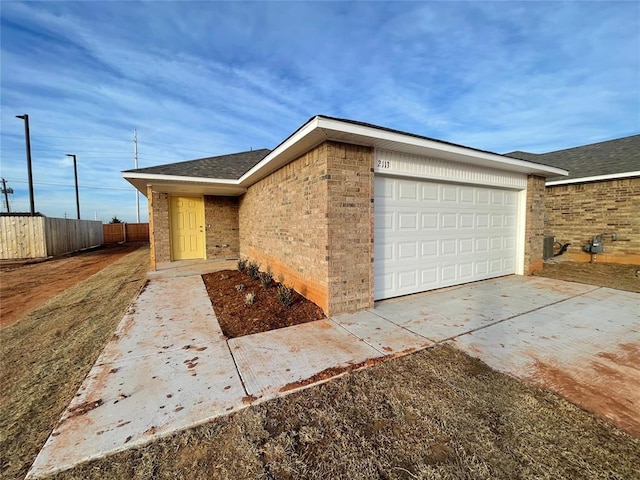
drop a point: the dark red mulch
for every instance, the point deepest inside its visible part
(267, 313)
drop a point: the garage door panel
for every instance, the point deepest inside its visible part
(383, 251)
(408, 221)
(448, 246)
(429, 220)
(429, 249)
(465, 245)
(449, 193)
(449, 221)
(408, 279)
(430, 192)
(430, 235)
(407, 190)
(466, 195)
(383, 221)
(465, 271)
(407, 251)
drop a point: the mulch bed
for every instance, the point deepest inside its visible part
(237, 319)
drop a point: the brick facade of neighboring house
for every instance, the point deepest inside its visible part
(305, 211)
(601, 194)
(574, 213)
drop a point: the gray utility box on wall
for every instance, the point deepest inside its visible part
(547, 247)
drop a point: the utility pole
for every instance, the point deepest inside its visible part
(25, 117)
(6, 192)
(75, 175)
(135, 157)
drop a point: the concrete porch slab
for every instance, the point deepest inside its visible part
(385, 336)
(272, 360)
(186, 268)
(168, 367)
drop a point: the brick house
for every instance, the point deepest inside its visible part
(349, 213)
(600, 195)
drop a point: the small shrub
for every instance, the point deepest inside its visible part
(239, 287)
(266, 279)
(285, 295)
(253, 269)
(242, 264)
(249, 298)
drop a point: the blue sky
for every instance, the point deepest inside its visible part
(205, 78)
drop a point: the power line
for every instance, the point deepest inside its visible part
(77, 138)
(68, 185)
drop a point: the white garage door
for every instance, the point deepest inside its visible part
(431, 235)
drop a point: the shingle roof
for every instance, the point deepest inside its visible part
(228, 167)
(604, 158)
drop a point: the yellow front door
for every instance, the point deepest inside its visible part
(187, 232)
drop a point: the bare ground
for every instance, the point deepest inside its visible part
(46, 354)
(27, 285)
(611, 275)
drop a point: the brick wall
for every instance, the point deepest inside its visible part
(283, 225)
(222, 228)
(159, 227)
(350, 218)
(534, 226)
(577, 212)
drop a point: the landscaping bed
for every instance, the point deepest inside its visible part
(237, 317)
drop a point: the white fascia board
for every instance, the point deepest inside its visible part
(597, 178)
(177, 178)
(276, 158)
(492, 159)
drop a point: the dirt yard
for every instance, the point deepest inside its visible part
(25, 286)
(47, 352)
(236, 318)
(612, 275)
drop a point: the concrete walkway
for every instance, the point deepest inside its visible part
(168, 366)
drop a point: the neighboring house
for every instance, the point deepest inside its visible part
(349, 213)
(601, 195)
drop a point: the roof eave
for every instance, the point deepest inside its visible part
(183, 185)
(596, 178)
(319, 129)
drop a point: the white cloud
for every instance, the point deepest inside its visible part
(216, 77)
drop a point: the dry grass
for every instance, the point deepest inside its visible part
(47, 354)
(436, 414)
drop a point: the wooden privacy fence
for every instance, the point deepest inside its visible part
(24, 236)
(125, 232)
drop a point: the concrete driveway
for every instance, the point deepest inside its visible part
(579, 341)
(169, 367)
